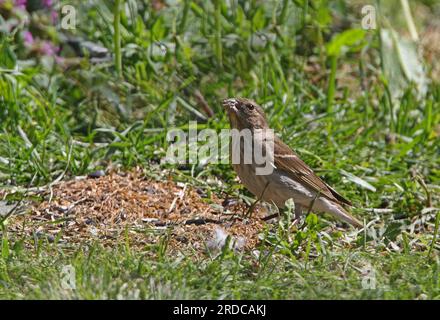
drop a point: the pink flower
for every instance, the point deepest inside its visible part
(47, 48)
(54, 16)
(20, 4)
(47, 3)
(28, 38)
(59, 60)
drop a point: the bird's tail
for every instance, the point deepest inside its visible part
(340, 213)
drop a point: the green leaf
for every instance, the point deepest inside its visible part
(393, 230)
(5, 247)
(7, 56)
(158, 29)
(258, 21)
(312, 220)
(359, 181)
(323, 16)
(342, 41)
(401, 63)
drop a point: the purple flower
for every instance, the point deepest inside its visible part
(20, 4)
(47, 3)
(59, 60)
(47, 48)
(28, 38)
(54, 16)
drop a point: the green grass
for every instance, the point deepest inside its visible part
(121, 274)
(377, 151)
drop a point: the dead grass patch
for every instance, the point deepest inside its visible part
(123, 206)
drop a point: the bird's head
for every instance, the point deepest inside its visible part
(244, 113)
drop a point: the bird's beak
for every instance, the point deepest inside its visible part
(230, 105)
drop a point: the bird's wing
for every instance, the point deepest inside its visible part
(338, 196)
(287, 160)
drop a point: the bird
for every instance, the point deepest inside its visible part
(291, 178)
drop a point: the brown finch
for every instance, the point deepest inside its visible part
(290, 178)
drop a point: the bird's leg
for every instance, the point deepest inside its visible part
(298, 213)
(252, 207)
(248, 214)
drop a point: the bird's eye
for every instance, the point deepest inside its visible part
(251, 107)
